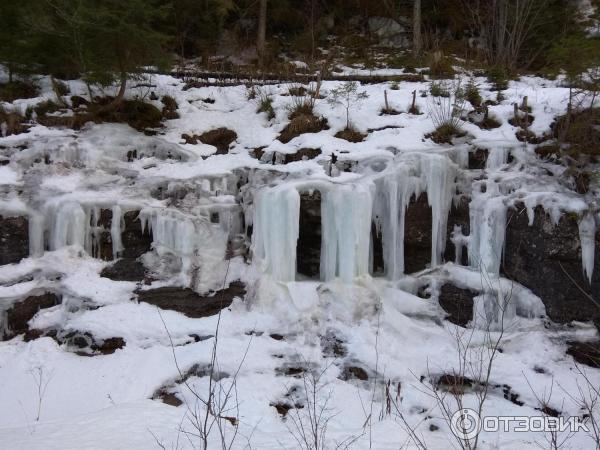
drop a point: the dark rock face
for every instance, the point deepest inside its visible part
(458, 303)
(14, 239)
(377, 251)
(547, 259)
(458, 216)
(417, 235)
(126, 269)
(308, 252)
(102, 247)
(23, 311)
(478, 158)
(135, 242)
(190, 303)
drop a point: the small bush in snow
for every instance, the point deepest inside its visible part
(347, 95)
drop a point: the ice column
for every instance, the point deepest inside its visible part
(70, 226)
(497, 157)
(36, 234)
(276, 227)
(488, 225)
(346, 215)
(392, 197)
(587, 235)
(115, 231)
(439, 174)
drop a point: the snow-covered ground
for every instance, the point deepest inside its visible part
(53, 398)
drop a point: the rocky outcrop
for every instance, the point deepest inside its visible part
(308, 251)
(135, 242)
(417, 235)
(14, 239)
(547, 259)
(189, 302)
(126, 269)
(21, 312)
(458, 303)
(458, 217)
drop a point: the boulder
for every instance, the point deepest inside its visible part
(458, 303)
(126, 269)
(189, 302)
(21, 312)
(14, 239)
(389, 32)
(547, 260)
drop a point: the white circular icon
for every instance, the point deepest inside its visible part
(465, 424)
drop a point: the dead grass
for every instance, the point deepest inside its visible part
(445, 133)
(350, 135)
(220, 138)
(303, 123)
(580, 134)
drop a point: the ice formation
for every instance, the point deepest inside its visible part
(488, 225)
(414, 173)
(587, 234)
(199, 245)
(346, 214)
(497, 157)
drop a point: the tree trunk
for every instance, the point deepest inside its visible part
(121, 94)
(262, 32)
(417, 38)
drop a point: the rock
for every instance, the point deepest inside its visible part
(458, 217)
(14, 239)
(167, 398)
(190, 303)
(126, 269)
(23, 311)
(587, 353)
(135, 242)
(417, 235)
(458, 303)
(478, 158)
(389, 32)
(547, 260)
(88, 345)
(308, 253)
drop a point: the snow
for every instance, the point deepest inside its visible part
(104, 401)
(8, 175)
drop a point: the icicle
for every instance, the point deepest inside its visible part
(69, 227)
(587, 237)
(439, 173)
(346, 216)
(115, 231)
(494, 310)
(36, 234)
(488, 226)
(276, 227)
(497, 157)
